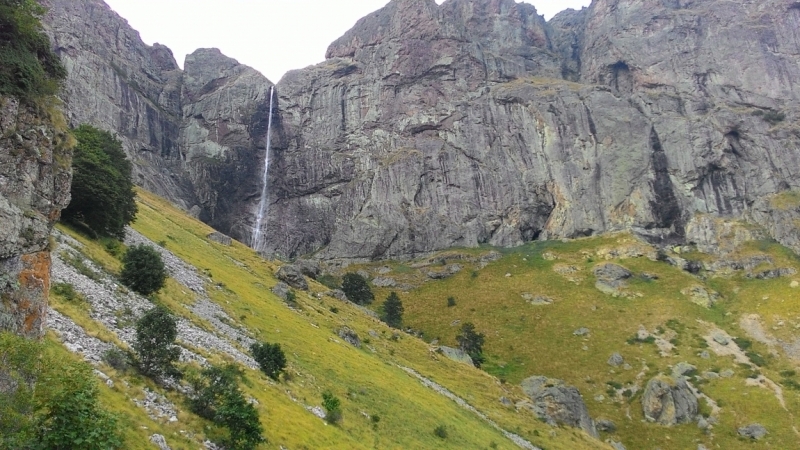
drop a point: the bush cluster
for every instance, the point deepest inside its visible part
(50, 404)
(217, 397)
(28, 66)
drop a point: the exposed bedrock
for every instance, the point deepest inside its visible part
(475, 121)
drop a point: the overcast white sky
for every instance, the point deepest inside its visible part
(273, 36)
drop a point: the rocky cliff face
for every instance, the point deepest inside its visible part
(35, 177)
(475, 121)
(195, 136)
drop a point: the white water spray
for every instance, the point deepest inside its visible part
(263, 204)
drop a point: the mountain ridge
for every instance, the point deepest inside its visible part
(431, 126)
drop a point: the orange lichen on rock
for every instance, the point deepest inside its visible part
(34, 280)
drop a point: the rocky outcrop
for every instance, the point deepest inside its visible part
(432, 126)
(669, 401)
(754, 431)
(416, 135)
(557, 403)
(35, 176)
(456, 354)
(195, 136)
(611, 278)
(291, 275)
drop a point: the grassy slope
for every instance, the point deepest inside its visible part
(523, 339)
(369, 383)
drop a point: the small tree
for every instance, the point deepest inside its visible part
(471, 342)
(393, 311)
(143, 270)
(217, 397)
(270, 358)
(356, 289)
(333, 407)
(156, 353)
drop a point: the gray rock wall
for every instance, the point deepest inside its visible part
(431, 126)
(195, 136)
(35, 176)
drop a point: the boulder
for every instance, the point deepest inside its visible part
(606, 425)
(582, 331)
(753, 431)
(611, 278)
(159, 441)
(308, 267)
(456, 354)
(615, 360)
(221, 239)
(669, 401)
(337, 294)
(384, 282)
(557, 403)
(281, 290)
(701, 296)
(291, 275)
(682, 368)
(349, 336)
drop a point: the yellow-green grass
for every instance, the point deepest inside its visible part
(369, 381)
(133, 424)
(524, 340)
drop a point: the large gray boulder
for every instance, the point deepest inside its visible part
(557, 403)
(456, 354)
(611, 278)
(292, 276)
(309, 267)
(669, 401)
(753, 431)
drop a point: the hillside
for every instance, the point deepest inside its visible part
(222, 294)
(731, 313)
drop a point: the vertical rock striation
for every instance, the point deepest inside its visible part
(195, 136)
(35, 156)
(475, 121)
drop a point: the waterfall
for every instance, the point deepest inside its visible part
(263, 204)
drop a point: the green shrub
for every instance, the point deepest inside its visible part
(756, 359)
(156, 353)
(73, 417)
(143, 270)
(356, 289)
(217, 397)
(102, 195)
(270, 358)
(330, 281)
(332, 406)
(471, 342)
(49, 404)
(393, 311)
(67, 292)
(28, 67)
(440, 432)
(451, 301)
(117, 359)
(743, 343)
